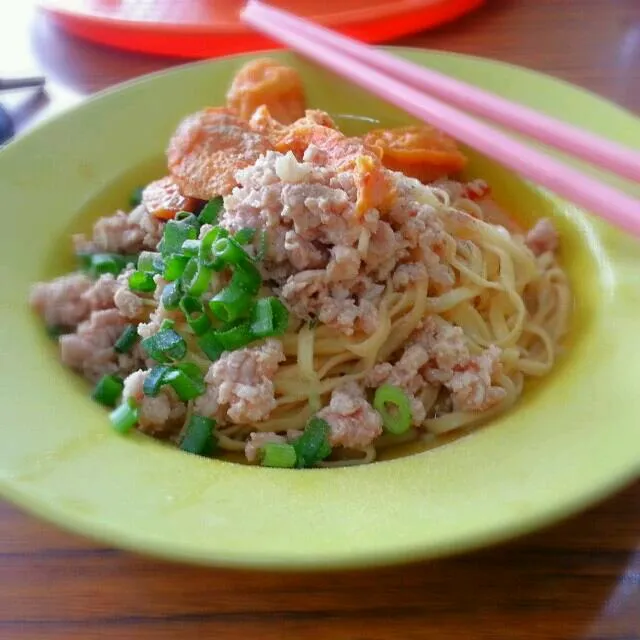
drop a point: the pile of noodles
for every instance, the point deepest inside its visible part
(503, 295)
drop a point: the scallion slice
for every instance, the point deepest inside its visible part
(195, 314)
(211, 345)
(54, 331)
(269, 318)
(150, 262)
(155, 380)
(393, 404)
(313, 445)
(174, 267)
(229, 252)
(278, 455)
(175, 233)
(171, 295)
(195, 278)
(135, 198)
(245, 236)
(211, 211)
(127, 339)
(84, 261)
(247, 277)
(206, 254)
(102, 263)
(231, 303)
(191, 248)
(187, 383)
(198, 437)
(188, 218)
(124, 417)
(165, 346)
(108, 390)
(235, 337)
(141, 282)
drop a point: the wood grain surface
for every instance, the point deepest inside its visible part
(577, 580)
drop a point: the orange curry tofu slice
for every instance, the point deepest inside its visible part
(162, 199)
(208, 148)
(263, 122)
(421, 152)
(269, 83)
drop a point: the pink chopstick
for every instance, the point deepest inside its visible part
(587, 146)
(611, 204)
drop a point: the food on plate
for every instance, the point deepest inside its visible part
(304, 298)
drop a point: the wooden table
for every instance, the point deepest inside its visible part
(580, 579)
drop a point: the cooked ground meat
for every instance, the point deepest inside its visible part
(243, 381)
(354, 423)
(542, 238)
(126, 233)
(161, 414)
(90, 349)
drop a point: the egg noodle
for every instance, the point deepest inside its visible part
(504, 296)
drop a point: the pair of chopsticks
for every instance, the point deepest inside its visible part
(405, 84)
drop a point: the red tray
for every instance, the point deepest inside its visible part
(206, 28)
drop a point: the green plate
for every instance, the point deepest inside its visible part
(571, 440)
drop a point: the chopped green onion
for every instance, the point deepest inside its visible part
(191, 369)
(84, 261)
(175, 233)
(127, 339)
(198, 437)
(396, 419)
(135, 198)
(247, 277)
(167, 323)
(211, 211)
(223, 251)
(245, 236)
(186, 385)
(206, 244)
(236, 337)
(154, 380)
(211, 345)
(188, 218)
(151, 262)
(108, 390)
(269, 318)
(124, 417)
(195, 315)
(195, 278)
(165, 346)
(229, 252)
(231, 303)
(313, 445)
(191, 247)
(174, 267)
(102, 263)
(279, 455)
(171, 295)
(55, 331)
(141, 282)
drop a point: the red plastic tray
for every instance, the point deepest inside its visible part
(206, 28)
